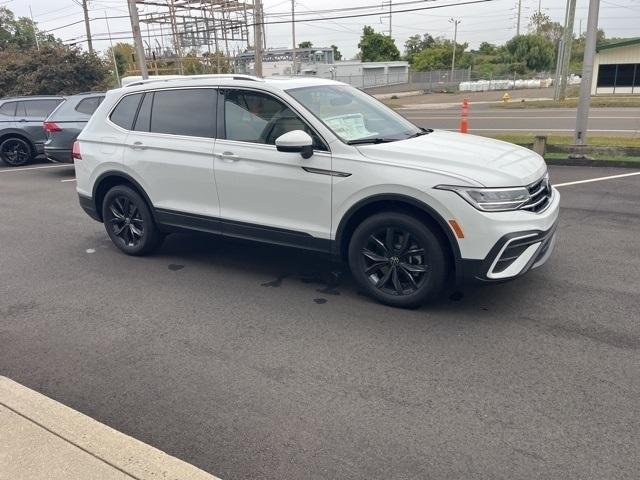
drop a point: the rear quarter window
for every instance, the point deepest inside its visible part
(88, 105)
(8, 109)
(125, 112)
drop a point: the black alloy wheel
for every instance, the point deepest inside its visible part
(129, 222)
(15, 152)
(126, 223)
(397, 259)
(395, 262)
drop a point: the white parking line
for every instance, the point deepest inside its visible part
(599, 179)
(68, 180)
(10, 170)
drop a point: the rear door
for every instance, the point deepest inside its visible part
(30, 116)
(170, 148)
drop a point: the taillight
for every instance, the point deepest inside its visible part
(51, 127)
(75, 152)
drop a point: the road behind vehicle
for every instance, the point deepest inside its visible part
(65, 123)
(21, 135)
(319, 165)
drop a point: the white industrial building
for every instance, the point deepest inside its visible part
(617, 68)
(320, 62)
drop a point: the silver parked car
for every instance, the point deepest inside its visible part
(66, 122)
(21, 134)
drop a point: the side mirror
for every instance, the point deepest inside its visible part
(296, 141)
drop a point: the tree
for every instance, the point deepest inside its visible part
(536, 51)
(54, 70)
(542, 25)
(337, 56)
(124, 57)
(487, 48)
(376, 47)
(440, 55)
(416, 43)
(305, 44)
(20, 32)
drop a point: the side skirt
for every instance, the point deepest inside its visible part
(170, 220)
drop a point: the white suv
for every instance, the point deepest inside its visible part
(314, 164)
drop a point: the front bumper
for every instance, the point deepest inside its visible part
(512, 256)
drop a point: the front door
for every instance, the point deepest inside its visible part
(266, 194)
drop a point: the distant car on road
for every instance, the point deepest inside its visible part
(64, 124)
(21, 135)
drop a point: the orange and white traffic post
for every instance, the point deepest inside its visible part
(464, 120)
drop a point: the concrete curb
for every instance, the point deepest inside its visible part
(583, 162)
(122, 453)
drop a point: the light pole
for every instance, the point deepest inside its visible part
(137, 38)
(293, 34)
(582, 118)
(455, 22)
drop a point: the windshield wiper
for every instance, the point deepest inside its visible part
(363, 141)
(423, 131)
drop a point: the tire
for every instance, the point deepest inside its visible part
(397, 260)
(16, 152)
(129, 222)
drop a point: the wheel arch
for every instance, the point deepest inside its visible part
(13, 133)
(394, 202)
(110, 179)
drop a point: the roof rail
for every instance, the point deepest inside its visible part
(172, 78)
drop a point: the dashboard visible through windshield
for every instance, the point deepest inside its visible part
(354, 116)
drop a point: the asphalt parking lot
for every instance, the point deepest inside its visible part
(257, 362)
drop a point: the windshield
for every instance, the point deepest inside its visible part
(353, 115)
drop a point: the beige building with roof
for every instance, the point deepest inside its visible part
(617, 68)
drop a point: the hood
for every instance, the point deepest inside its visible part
(491, 162)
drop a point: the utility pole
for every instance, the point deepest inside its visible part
(137, 38)
(587, 73)
(35, 32)
(566, 46)
(519, 16)
(257, 14)
(87, 25)
(113, 53)
(390, 22)
(293, 35)
(455, 22)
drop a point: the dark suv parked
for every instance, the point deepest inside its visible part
(21, 133)
(66, 122)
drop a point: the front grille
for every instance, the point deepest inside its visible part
(540, 193)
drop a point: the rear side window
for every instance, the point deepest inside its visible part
(88, 105)
(125, 112)
(37, 108)
(8, 109)
(189, 112)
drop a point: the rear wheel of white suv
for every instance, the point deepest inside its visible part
(129, 222)
(397, 260)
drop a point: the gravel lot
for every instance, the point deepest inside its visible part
(257, 362)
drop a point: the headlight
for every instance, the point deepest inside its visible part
(491, 199)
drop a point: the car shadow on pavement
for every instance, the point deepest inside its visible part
(327, 275)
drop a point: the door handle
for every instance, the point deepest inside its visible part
(228, 157)
(138, 146)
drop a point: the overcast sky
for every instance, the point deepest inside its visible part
(493, 21)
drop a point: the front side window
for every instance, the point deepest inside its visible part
(88, 105)
(37, 108)
(125, 112)
(8, 109)
(260, 118)
(353, 115)
(190, 112)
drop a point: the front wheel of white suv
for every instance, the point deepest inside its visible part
(397, 260)
(128, 221)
